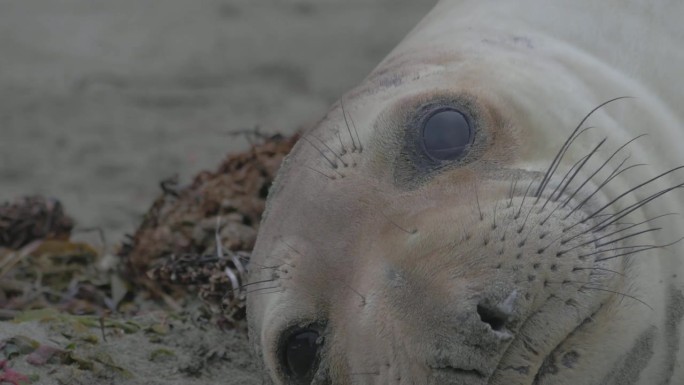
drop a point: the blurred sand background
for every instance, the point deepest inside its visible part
(102, 99)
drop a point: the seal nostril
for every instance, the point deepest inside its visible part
(496, 319)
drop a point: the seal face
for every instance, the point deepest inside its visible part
(478, 212)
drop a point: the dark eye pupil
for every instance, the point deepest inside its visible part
(446, 135)
(301, 354)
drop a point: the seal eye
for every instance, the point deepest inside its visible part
(300, 355)
(446, 135)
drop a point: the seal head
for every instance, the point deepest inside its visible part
(460, 218)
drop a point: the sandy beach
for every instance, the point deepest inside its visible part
(100, 100)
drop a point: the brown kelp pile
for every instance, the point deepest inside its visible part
(194, 242)
(198, 238)
(41, 267)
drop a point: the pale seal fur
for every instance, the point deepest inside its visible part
(538, 246)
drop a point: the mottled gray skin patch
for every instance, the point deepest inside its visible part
(569, 359)
(550, 366)
(628, 369)
(673, 320)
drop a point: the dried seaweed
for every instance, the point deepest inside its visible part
(31, 218)
(193, 243)
(197, 239)
(60, 274)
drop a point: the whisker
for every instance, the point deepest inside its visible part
(601, 168)
(641, 250)
(581, 163)
(565, 177)
(561, 153)
(633, 189)
(629, 209)
(262, 291)
(339, 137)
(331, 151)
(617, 231)
(412, 231)
(522, 201)
(258, 282)
(560, 193)
(599, 269)
(632, 235)
(346, 122)
(614, 174)
(597, 286)
(477, 199)
(511, 190)
(625, 295)
(522, 227)
(321, 173)
(559, 156)
(645, 247)
(358, 138)
(332, 164)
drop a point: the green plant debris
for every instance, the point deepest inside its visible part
(161, 355)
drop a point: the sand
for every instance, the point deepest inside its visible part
(100, 100)
(149, 350)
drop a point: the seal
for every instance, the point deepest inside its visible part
(497, 203)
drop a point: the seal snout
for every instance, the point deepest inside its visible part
(492, 316)
(497, 316)
(512, 280)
